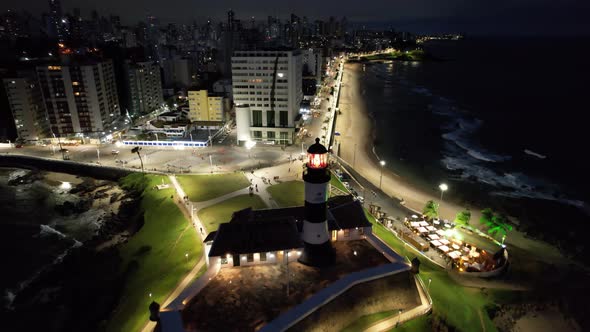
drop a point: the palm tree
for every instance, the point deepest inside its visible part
(486, 217)
(430, 210)
(500, 226)
(136, 150)
(463, 218)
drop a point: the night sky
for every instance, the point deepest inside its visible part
(499, 17)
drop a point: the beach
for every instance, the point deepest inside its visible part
(355, 146)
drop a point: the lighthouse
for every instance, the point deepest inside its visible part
(318, 250)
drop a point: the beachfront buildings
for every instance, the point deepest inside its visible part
(27, 108)
(80, 97)
(144, 87)
(267, 93)
(204, 107)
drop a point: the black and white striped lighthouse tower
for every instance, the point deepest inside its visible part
(318, 250)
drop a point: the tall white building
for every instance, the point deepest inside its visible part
(144, 87)
(79, 97)
(267, 93)
(27, 107)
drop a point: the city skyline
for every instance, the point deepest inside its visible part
(525, 17)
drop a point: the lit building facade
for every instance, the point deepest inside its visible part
(144, 87)
(267, 93)
(79, 98)
(203, 107)
(27, 107)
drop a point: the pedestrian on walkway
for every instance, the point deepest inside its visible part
(257, 187)
(201, 229)
(289, 169)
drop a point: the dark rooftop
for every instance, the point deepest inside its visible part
(252, 231)
(244, 236)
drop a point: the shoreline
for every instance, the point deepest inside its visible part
(356, 119)
(359, 133)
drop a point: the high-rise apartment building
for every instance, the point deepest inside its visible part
(56, 25)
(267, 93)
(27, 107)
(204, 107)
(144, 87)
(79, 97)
(177, 73)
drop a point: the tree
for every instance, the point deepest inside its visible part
(136, 150)
(500, 226)
(497, 224)
(463, 218)
(486, 217)
(430, 210)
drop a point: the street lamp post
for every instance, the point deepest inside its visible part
(399, 316)
(250, 145)
(211, 162)
(354, 155)
(98, 155)
(288, 277)
(429, 281)
(382, 162)
(443, 187)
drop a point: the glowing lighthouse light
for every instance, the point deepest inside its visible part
(317, 159)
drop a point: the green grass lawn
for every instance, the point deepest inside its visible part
(221, 212)
(364, 322)
(334, 181)
(419, 324)
(459, 306)
(154, 258)
(288, 193)
(205, 187)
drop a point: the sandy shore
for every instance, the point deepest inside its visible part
(356, 133)
(355, 127)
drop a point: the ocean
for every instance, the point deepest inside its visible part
(503, 117)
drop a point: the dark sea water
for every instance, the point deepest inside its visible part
(505, 115)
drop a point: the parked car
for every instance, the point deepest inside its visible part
(346, 185)
(360, 199)
(115, 152)
(353, 192)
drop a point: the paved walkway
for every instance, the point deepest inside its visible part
(299, 312)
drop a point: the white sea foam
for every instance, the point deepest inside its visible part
(422, 91)
(11, 294)
(461, 129)
(534, 154)
(48, 230)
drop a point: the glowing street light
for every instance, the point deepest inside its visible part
(429, 281)
(249, 146)
(382, 163)
(443, 187)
